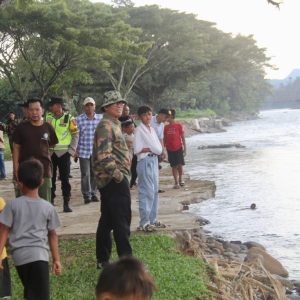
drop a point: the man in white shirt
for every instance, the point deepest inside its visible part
(147, 147)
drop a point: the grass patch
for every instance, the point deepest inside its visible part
(7, 154)
(194, 113)
(176, 276)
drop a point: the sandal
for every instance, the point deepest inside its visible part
(181, 183)
(148, 228)
(176, 186)
(158, 224)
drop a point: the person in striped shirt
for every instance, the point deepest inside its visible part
(87, 123)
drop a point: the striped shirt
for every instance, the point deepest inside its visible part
(86, 128)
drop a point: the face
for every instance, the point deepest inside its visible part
(126, 110)
(56, 108)
(161, 118)
(115, 110)
(129, 129)
(11, 116)
(35, 111)
(89, 108)
(146, 117)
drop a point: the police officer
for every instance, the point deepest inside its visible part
(65, 127)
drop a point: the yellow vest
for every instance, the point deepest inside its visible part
(2, 204)
(64, 127)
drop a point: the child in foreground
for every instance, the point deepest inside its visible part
(125, 279)
(29, 222)
(5, 283)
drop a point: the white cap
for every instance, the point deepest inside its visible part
(88, 100)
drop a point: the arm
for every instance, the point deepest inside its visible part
(183, 143)
(16, 157)
(4, 230)
(53, 243)
(74, 130)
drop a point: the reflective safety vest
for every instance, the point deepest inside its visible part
(64, 127)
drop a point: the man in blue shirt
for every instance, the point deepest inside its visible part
(87, 123)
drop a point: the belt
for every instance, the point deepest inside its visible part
(152, 154)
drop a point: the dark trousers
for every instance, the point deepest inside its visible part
(63, 164)
(5, 283)
(116, 217)
(35, 279)
(133, 171)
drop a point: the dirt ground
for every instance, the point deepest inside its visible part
(84, 218)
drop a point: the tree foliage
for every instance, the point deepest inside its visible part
(156, 56)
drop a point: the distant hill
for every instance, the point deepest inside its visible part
(290, 78)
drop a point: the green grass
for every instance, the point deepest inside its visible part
(7, 154)
(176, 276)
(194, 113)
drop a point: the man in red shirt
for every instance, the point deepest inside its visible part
(175, 144)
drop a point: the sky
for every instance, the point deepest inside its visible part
(274, 29)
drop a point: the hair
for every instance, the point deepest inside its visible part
(173, 113)
(33, 100)
(125, 277)
(30, 173)
(126, 121)
(143, 110)
(164, 111)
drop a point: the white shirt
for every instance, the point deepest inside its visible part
(158, 127)
(145, 137)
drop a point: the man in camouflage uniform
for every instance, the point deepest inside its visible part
(67, 132)
(111, 164)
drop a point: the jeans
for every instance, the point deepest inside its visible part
(116, 217)
(2, 165)
(63, 163)
(88, 182)
(147, 170)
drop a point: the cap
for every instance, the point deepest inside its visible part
(89, 100)
(165, 111)
(112, 97)
(56, 100)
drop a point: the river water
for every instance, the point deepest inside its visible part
(266, 172)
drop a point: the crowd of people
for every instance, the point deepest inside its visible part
(115, 155)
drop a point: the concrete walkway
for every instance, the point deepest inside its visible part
(84, 218)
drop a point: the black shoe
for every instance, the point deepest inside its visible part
(94, 199)
(70, 176)
(102, 265)
(161, 191)
(87, 200)
(67, 209)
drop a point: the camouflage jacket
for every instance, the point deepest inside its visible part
(110, 153)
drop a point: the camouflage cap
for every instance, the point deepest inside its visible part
(112, 97)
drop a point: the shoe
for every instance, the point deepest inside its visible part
(67, 209)
(176, 186)
(87, 200)
(148, 228)
(181, 183)
(94, 199)
(70, 176)
(102, 265)
(161, 191)
(158, 224)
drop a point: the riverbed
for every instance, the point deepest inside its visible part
(265, 172)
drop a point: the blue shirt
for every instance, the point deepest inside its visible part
(86, 128)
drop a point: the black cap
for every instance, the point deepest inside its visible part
(165, 111)
(56, 100)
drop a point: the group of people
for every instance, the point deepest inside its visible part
(110, 147)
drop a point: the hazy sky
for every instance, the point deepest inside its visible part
(276, 30)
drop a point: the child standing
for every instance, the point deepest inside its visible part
(147, 147)
(175, 144)
(5, 284)
(29, 222)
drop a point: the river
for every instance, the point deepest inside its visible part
(266, 172)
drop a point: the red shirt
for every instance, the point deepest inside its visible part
(172, 136)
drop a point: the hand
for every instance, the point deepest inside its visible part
(56, 267)
(76, 157)
(1, 266)
(145, 150)
(184, 152)
(163, 156)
